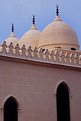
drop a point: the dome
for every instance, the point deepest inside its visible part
(30, 38)
(12, 38)
(58, 35)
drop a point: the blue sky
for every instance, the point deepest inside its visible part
(20, 13)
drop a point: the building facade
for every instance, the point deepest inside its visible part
(42, 82)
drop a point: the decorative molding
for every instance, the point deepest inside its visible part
(56, 56)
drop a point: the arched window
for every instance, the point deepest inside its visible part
(11, 110)
(63, 104)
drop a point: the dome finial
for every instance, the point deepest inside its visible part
(12, 27)
(12, 32)
(57, 10)
(33, 21)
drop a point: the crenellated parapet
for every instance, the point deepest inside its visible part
(56, 56)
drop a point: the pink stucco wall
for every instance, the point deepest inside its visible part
(34, 87)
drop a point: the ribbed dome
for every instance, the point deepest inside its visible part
(30, 38)
(58, 35)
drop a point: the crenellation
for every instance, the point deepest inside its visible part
(11, 47)
(17, 50)
(29, 54)
(47, 54)
(4, 47)
(61, 54)
(66, 55)
(23, 49)
(35, 52)
(40, 55)
(54, 56)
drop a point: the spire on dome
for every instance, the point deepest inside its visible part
(57, 10)
(12, 37)
(12, 27)
(57, 18)
(33, 21)
(12, 32)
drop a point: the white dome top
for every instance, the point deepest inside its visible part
(12, 38)
(30, 38)
(58, 35)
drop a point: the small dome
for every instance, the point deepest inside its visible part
(30, 38)
(59, 35)
(12, 38)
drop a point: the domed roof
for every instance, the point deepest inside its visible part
(58, 35)
(12, 38)
(31, 38)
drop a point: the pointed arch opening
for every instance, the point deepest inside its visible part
(11, 109)
(63, 103)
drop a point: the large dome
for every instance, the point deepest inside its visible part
(59, 35)
(30, 38)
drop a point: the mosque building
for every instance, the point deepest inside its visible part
(40, 74)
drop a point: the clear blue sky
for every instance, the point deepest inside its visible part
(20, 13)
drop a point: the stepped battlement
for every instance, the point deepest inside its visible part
(56, 56)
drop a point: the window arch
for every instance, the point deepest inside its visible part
(11, 109)
(63, 103)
